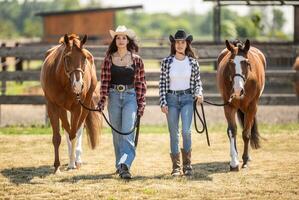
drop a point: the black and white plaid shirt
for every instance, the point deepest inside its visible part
(195, 82)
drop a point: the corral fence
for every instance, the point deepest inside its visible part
(280, 77)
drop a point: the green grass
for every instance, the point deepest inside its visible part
(14, 88)
(290, 128)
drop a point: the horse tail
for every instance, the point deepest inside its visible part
(94, 125)
(255, 136)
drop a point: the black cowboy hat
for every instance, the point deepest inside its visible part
(181, 35)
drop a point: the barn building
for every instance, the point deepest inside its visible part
(93, 22)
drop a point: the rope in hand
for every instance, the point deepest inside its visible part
(137, 121)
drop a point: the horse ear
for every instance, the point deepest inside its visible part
(66, 39)
(229, 46)
(83, 41)
(247, 46)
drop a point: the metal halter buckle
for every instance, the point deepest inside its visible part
(120, 88)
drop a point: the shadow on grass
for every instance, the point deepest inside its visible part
(23, 175)
(201, 171)
(75, 179)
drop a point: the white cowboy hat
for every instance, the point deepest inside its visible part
(122, 30)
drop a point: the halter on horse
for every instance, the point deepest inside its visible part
(241, 77)
(69, 70)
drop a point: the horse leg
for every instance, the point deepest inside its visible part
(79, 133)
(78, 160)
(75, 115)
(232, 132)
(56, 139)
(246, 134)
(66, 126)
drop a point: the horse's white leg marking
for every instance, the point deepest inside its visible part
(72, 160)
(79, 144)
(233, 152)
(69, 145)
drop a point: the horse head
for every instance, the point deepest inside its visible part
(238, 66)
(74, 60)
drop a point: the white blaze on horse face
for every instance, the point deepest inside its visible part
(233, 152)
(77, 85)
(238, 81)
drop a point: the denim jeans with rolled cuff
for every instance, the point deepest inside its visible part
(122, 109)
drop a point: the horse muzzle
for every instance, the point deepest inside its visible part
(77, 87)
(238, 94)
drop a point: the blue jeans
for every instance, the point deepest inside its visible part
(122, 108)
(179, 105)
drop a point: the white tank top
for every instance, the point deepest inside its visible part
(179, 74)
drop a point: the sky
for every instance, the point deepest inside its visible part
(175, 7)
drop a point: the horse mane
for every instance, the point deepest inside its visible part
(73, 40)
(56, 51)
(238, 43)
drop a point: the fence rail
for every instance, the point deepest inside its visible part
(278, 90)
(281, 55)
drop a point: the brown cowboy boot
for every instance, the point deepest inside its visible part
(176, 168)
(187, 168)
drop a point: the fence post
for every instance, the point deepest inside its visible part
(4, 68)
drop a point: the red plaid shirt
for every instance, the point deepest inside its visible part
(139, 82)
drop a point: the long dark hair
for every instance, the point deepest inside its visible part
(131, 46)
(188, 51)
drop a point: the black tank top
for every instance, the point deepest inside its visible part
(122, 75)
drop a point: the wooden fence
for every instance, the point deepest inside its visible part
(279, 89)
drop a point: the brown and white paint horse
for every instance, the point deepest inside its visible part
(68, 70)
(241, 78)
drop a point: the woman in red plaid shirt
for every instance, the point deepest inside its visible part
(123, 82)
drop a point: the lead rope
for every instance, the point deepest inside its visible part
(137, 121)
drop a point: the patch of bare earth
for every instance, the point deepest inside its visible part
(26, 170)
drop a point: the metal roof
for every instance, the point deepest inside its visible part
(66, 12)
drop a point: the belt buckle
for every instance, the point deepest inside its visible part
(120, 88)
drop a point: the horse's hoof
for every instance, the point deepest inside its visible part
(78, 165)
(234, 169)
(57, 171)
(244, 166)
(71, 168)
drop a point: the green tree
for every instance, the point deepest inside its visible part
(228, 30)
(246, 28)
(278, 19)
(32, 28)
(67, 4)
(7, 29)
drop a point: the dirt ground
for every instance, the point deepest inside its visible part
(36, 114)
(26, 170)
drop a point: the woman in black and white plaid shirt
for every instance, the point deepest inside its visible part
(179, 86)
